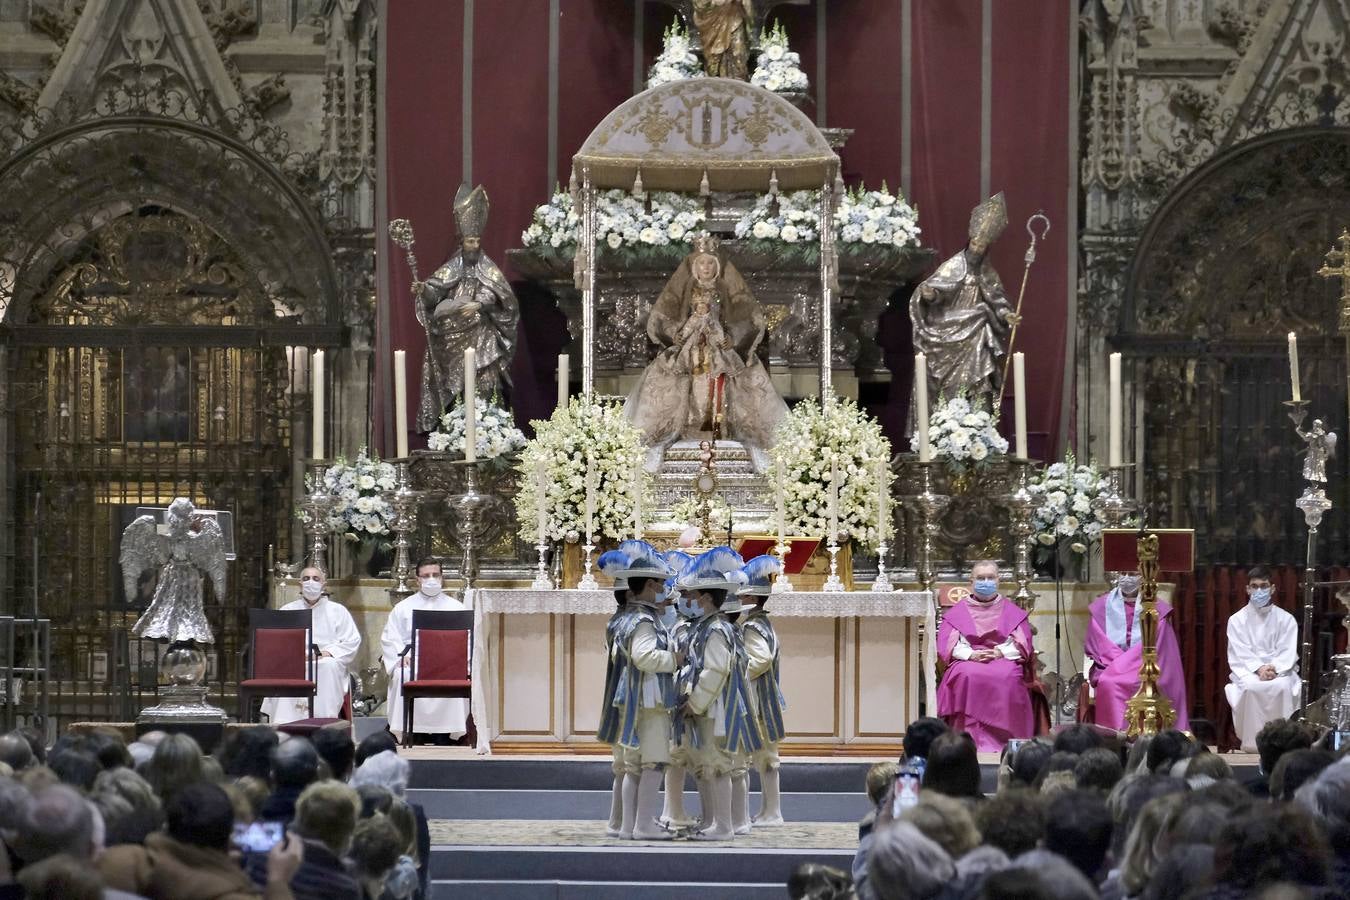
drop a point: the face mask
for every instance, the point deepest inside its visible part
(985, 588)
(1128, 584)
(1261, 597)
(311, 590)
(686, 607)
(431, 587)
(669, 617)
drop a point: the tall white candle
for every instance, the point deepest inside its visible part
(834, 501)
(316, 392)
(1020, 403)
(401, 402)
(883, 496)
(1293, 366)
(1114, 411)
(563, 376)
(541, 493)
(590, 498)
(780, 489)
(921, 404)
(470, 405)
(637, 499)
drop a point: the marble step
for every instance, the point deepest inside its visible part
(598, 890)
(523, 773)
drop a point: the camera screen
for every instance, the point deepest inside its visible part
(258, 837)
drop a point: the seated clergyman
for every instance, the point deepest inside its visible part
(1263, 659)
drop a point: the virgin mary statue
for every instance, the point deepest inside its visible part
(707, 379)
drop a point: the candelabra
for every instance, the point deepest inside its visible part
(882, 583)
(467, 507)
(587, 582)
(317, 506)
(930, 506)
(781, 584)
(834, 584)
(1313, 503)
(1114, 506)
(541, 580)
(403, 503)
(1021, 504)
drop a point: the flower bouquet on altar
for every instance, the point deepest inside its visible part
(865, 222)
(1067, 513)
(495, 437)
(583, 441)
(360, 512)
(777, 68)
(666, 225)
(812, 446)
(677, 60)
(963, 435)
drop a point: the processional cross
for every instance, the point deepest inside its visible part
(1337, 265)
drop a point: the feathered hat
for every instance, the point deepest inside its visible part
(733, 604)
(712, 570)
(633, 559)
(759, 574)
(471, 211)
(988, 220)
(678, 561)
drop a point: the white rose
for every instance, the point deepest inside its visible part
(978, 451)
(764, 230)
(1046, 538)
(775, 51)
(676, 231)
(869, 233)
(789, 234)
(648, 235)
(615, 240)
(366, 482)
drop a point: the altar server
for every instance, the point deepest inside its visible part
(442, 716)
(714, 720)
(608, 732)
(1113, 645)
(334, 633)
(985, 644)
(1263, 657)
(762, 677)
(673, 813)
(637, 717)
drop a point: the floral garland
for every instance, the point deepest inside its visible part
(1066, 506)
(361, 512)
(863, 220)
(677, 60)
(496, 433)
(809, 440)
(962, 433)
(563, 443)
(777, 68)
(621, 222)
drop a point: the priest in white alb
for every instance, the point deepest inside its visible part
(1263, 657)
(334, 634)
(438, 716)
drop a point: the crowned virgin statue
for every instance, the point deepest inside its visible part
(724, 33)
(707, 379)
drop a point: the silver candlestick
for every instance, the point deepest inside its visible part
(467, 507)
(834, 584)
(541, 580)
(588, 582)
(1114, 506)
(1313, 503)
(317, 506)
(882, 583)
(403, 502)
(1021, 504)
(930, 506)
(781, 583)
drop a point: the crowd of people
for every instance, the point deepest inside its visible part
(265, 815)
(1082, 815)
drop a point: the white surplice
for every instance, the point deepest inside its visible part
(335, 632)
(439, 716)
(1259, 637)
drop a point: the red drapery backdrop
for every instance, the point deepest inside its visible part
(864, 47)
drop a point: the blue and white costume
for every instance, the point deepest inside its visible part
(762, 674)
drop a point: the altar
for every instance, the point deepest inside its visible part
(851, 668)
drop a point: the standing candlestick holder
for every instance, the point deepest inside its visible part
(781, 583)
(467, 507)
(404, 503)
(1114, 506)
(882, 583)
(1021, 505)
(317, 506)
(587, 582)
(541, 580)
(834, 584)
(930, 506)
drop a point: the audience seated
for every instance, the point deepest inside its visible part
(905, 865)
(176, 763)
(335, 748)
(1263, 847)
(1013, 821)
(1078, 827)
(953, 768)
(325, 817)
(295, 766)
(248, 751)
(1296, 768)
(1276, 738)
(1099, 769)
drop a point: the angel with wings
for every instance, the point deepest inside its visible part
(187, 546)
(1321, 447)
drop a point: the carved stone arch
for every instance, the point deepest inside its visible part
(1232, 252)
(61, 187)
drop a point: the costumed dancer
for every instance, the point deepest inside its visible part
(673, 814)
(609, 715)
(740, 758)
(639, 701)
(714, 719)
(762, 677)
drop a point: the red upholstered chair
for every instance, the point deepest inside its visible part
(439, 666)
(281, 661)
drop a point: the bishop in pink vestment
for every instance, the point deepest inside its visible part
(986, 647)
(1113, 644)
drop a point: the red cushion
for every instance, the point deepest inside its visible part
(277, 684)
(441, 655)
(423, 684)
(280, 653)
(306, 726)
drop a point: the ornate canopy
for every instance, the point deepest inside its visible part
(738, 134)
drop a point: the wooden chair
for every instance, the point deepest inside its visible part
(439, 661)
(281, 658)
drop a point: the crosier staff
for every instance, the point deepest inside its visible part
(1016, 318)
(401, 233)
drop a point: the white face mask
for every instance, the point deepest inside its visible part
(431, 587)
(311, 590)
(1128, 584)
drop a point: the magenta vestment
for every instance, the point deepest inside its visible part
(1115, 669)
(988, 699)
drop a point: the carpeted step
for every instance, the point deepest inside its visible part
(467, 803)
(598, 890)
(503, 773)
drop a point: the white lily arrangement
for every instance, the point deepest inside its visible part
(496, 434)
(810, 442)
(777, 68)
(864, 219)
(621, 222)
(963, 434)
(595, 430)
(677, 60)
(1067, 508)
(360, 511)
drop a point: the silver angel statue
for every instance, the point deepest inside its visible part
(1321, 447)
(188, 547)
(467, 302)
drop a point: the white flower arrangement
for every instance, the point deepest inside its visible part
(809, 443)
(864, 219)
(777, 68)
(361, 512)
(1066, 505)
(688, 510)
(963, 434)
(597, 429)
(677, 60)
(621, 222)
(496, 433)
